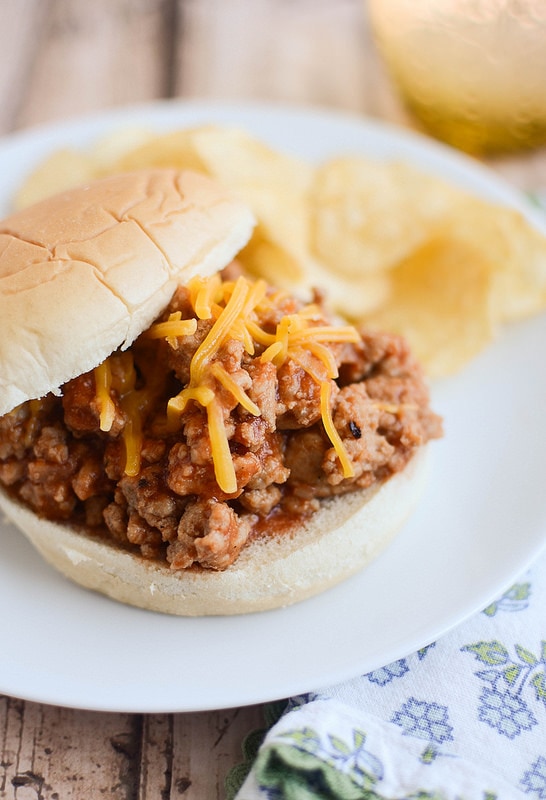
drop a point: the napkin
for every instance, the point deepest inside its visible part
(461, 719)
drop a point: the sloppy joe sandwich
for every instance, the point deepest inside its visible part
(177, 435)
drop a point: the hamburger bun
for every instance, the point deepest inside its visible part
(163, 226)
(85, 273)
(339, 540)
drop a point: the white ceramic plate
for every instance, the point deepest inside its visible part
(481, 523)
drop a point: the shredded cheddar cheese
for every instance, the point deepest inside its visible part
(133, 403)
(232, 386)
(132, 433)
(224, 469)
(331, 430)
(172, 328)
(103, 381)
(234, 307)
(204, 294)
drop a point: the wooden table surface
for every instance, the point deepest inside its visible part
(64, 58)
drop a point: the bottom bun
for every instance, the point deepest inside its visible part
(340, 539)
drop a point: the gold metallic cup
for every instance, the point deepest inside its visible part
(473, 72)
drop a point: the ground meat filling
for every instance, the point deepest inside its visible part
(59, 457)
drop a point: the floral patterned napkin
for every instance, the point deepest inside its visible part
(461, 719)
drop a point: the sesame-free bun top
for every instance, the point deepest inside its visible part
(86, 271)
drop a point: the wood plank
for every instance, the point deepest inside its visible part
(190, 755)
(206, 746)
(53, 753)
(156, 759)
(91, 56)
(20, 24)
(310, 51)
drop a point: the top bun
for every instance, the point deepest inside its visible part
(86, 271)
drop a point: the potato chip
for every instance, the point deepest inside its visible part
(440, 301)
(62, 170)
(349, 299)
(367, 215)
(263, 259)
(173, 149)
(274, 185)
(67, 168)
(516, 250)
(108, 151)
